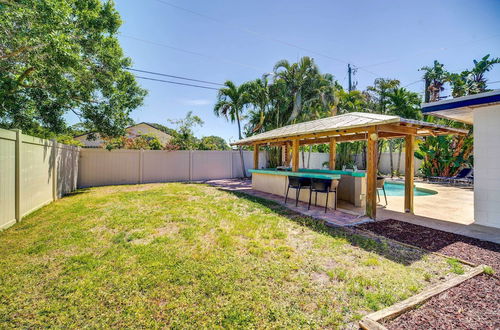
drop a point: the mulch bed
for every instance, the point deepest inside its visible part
(452, 245)
(473, 304)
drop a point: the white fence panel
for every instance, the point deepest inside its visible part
(99, 167)
(7, 178)
(33, 172)
(164, 166)
(206, 165)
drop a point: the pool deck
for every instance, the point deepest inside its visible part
(451, 209)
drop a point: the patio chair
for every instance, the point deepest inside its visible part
(463, 175)
(467, 179)
(447, 179)
(297, 183)
(381, 185)
(323, 186)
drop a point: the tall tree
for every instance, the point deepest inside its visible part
(231, 102)
(58, 56)
(435, 77)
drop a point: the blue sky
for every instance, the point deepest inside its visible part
(240, 40)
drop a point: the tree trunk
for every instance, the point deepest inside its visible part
(309, 156)
(303, 158)
(399, 155)
(391, 160)
(239, 147)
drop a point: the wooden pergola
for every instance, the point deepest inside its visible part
(357, 126)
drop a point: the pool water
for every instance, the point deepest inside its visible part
(395, 189)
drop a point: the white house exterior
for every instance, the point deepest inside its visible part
(483, 111)
(132, 131)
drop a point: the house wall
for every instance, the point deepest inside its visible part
(33, 172)
(133, 131)
(487, 166)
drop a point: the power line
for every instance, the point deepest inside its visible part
(258, 34)
(175, 82)
(191, 52)
(423, 51)
(177, 77)
(416, 81)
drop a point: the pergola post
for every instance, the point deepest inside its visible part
(409, 172)
(295, 155)
(371, 175)
(333, 153)
(256, 156)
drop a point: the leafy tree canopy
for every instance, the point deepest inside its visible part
(58, 56)
(213, 142)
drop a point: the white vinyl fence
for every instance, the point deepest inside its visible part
(99, 167)
(33, 172)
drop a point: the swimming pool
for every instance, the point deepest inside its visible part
(398, 189)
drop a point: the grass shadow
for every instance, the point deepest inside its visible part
(387, 249)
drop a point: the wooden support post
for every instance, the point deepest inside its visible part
(371, 175)
(295, 155)
(256, 156)
(333, 153)
(409, 172)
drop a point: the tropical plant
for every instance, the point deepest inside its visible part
(231, 102)
(60, 56)
(472, 81)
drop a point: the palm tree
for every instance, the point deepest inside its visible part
(435, 77)
(231, 101)
(298, 78)
(258, 98)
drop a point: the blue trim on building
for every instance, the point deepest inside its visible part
(460, 104)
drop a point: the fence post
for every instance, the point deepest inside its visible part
(190, 165)
(54, 170)
(18, 175)
(141, 165)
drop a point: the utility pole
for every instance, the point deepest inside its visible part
(349, 73)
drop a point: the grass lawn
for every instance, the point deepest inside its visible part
(188, 255)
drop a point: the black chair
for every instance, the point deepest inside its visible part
(297, 183)
(322, 186)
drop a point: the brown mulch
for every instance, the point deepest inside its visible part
(452, 245)
(473, 304)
